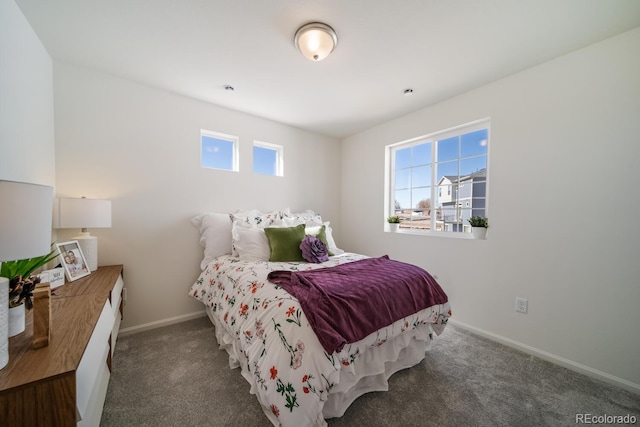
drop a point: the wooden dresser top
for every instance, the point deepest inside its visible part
(75, 309)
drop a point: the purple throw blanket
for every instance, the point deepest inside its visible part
(346, 303)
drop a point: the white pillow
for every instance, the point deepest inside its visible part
(215, 235)
(308, 217)
(252, 244)
(251, 219)
(332, 243)
(255, 218)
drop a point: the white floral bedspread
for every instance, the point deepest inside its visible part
(289, 370)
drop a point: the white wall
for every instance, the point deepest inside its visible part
(564, 208)
(572, 121)
(27, 148)
(140, 147)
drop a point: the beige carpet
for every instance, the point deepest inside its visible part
(177, 376)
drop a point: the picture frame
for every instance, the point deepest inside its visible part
(73, 260)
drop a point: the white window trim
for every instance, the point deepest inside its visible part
(279, 149)
(235, 162)
(475, 125)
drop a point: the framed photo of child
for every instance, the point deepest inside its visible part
(73, 260)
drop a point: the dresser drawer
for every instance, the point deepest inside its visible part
(93, 360)
(65, 383)
(116, 307)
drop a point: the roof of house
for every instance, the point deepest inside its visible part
(482, 173)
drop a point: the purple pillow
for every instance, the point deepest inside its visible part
(313, 250)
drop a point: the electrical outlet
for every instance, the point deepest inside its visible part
(124, 294)
(522, 305)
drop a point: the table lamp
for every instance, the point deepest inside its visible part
(83, 213)
(25, 232)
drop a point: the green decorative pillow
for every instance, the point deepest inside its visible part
(319, 231)
(285, 243)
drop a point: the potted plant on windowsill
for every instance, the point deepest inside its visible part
(21, 286)
(394, 222)
(479, 225)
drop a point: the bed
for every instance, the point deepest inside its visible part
(298, 380)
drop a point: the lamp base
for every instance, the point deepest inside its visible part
(4, 322)
(89, 246)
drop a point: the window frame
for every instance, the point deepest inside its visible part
(279, 149)
(432, 138)
(235, 161)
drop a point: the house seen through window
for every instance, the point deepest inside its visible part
(437, 182)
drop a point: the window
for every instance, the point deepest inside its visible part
(437, 182)
(218, 151)
(267, 159)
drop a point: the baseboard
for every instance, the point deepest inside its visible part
(160, 323)
(550, 357)
(561, 361)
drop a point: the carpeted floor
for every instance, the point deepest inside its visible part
(177, 376)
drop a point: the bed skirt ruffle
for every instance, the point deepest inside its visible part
(374, 368)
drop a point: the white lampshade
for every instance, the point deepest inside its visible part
(315, 40)
(83, 213)
(25, 232)
(25, 220)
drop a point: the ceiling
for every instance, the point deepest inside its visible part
(438, 48)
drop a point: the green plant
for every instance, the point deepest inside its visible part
(479, 221)
(393, 219)
(21, 284)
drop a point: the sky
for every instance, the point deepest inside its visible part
(455, 156)
(217, 153)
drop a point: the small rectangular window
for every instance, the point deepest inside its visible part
(218, 151)
(267, 159)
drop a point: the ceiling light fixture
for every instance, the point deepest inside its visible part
(315, 40)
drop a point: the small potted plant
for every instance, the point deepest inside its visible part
(394, 222)
(479, 225)
(21, 286)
